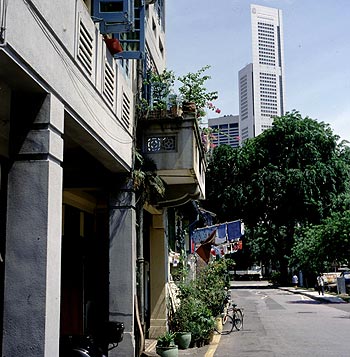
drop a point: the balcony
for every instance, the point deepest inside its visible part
(174, 144)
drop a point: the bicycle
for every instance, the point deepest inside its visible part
(232, 317)
(237, 316)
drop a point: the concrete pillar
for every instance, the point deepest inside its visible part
(33, 238)
(158, 273)
(122, 267)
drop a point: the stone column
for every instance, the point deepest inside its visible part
(122, 267)
(33, 236)
(158, 273)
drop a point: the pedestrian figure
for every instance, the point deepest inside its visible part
(295, 281)
(320, 284)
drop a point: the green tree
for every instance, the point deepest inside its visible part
(319, 247)
(288, 176)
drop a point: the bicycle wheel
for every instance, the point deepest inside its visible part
(238, 319)
(227, 325)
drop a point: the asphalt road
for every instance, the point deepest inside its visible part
(279, 323)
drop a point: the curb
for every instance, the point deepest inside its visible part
(330, 299)
(213, 346)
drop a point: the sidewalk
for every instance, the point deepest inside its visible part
(326, 298)
(206, 351)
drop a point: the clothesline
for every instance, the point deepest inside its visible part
(228, 231)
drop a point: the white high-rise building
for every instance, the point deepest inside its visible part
(261, 83)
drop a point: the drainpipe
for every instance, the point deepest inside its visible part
(140, 267)
(140, 260)
(3, 11)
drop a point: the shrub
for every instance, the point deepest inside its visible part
(201, 300)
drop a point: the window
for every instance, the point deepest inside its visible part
(159, 7)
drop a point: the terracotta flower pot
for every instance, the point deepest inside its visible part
(189, 107)
(113, 45)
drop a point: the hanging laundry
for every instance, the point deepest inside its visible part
(204, 249)
(225, 231)
(234, 230)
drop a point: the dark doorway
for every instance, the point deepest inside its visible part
(84, 281)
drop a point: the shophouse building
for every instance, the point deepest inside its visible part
(77, 250)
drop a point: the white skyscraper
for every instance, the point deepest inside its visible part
(261, 83)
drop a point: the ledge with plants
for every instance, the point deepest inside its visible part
(161, 101)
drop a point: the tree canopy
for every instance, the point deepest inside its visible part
(288, 176)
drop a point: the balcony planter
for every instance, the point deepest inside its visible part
(157, 114)
(189, 107)
(175, 111)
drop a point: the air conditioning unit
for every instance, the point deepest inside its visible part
(149, 2)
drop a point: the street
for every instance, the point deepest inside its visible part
(280, 323)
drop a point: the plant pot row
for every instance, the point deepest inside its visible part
(182, 340)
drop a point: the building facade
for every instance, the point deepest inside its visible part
(81, 249)
(75, 247)
(225, 130)
(262, 82)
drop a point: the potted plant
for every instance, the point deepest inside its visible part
(181, 324)
(201, 301)
(166, 345)
(193, 315)
(174, 105)
(161, 86)
(194, 93)
(202, 322)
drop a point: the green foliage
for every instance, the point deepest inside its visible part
(193, 89)
(318, 247)
(166, 339)
(211, 283)
(181, 321)
(290, 175)
(275, 278)
(193, 316)
(161, 87)
(146, 181)
(201, 300)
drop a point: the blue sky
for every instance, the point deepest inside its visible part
(316, 51)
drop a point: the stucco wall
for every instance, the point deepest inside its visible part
(45, 34)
